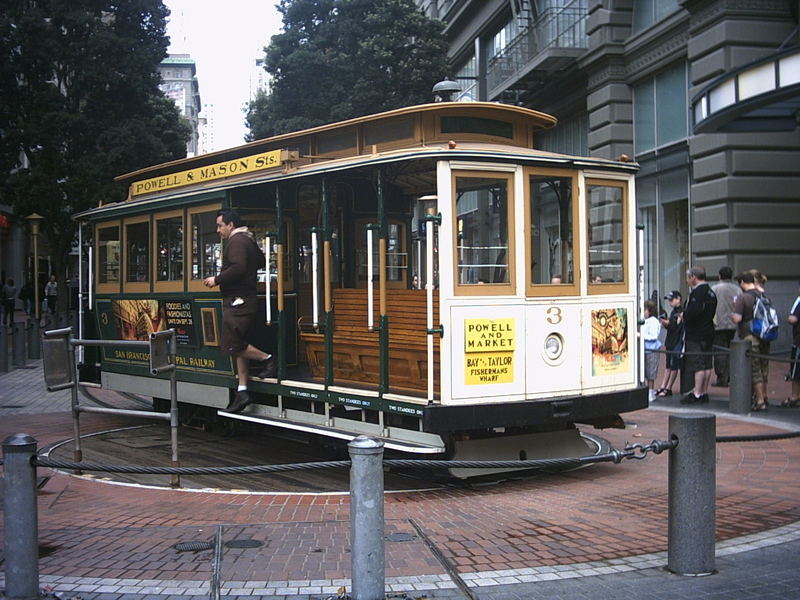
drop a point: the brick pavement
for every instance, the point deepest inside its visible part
(601, 526)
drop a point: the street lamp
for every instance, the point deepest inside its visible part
(35, 219)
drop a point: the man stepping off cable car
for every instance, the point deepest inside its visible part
(241, 260)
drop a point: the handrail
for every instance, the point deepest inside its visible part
(279, 259)
(326, 274)
(382, 275)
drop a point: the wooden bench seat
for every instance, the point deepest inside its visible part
(356, 350)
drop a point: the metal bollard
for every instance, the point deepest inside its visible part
(18, 350)
(20, 518)
(34, 343)
(741, 380)
(3, 349)
(366, 518)
(692, 495)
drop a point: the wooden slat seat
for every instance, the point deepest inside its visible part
(356, 350)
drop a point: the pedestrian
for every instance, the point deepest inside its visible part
(724, 327)
(698, 320)
(51, 294)
(794, 367)
(651, 329)
(9, 301)
(237, 280)
(26, 295)
(742, 316)
(673, 343)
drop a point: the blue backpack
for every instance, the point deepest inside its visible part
(765, 318)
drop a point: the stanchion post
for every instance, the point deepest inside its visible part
(3, 349)
(741, 379)
(20, 518)
(692, 494)
(366, 518)
(18, 351)
(34, 344)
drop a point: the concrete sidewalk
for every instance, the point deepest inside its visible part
(597, 532)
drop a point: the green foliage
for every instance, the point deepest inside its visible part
(340, 59)
(79, 105)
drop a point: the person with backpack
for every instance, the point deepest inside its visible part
(794, 367)
(756, 321)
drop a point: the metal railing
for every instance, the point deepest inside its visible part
(61, 372)
(563, 27)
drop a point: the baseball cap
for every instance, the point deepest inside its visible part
(673, 294)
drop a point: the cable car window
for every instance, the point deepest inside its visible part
(137, 246)
(552, 234)
(477, 125)
(396, 254)
(169, 249)
(108, 255)
(482, 215)
(337, 142)
(605, 234)
(388, 131)
(206, 248)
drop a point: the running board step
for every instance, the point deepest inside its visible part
(334, 432)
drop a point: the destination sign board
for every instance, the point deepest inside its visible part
(238, 166)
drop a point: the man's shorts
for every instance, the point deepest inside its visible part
(794, 368)
(699, 362)
(759, 366)
(238, 317)
(674, 357)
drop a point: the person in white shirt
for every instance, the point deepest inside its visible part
(650, 332)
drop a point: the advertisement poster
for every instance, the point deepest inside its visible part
(489, 351)
(137, 319)
(610, 354)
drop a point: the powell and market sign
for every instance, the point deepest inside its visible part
(246, 164)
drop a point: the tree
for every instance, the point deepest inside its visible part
(79, 105)
(339, 59)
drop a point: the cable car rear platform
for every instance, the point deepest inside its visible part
(599, 531)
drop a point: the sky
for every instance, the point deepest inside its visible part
(224, 39)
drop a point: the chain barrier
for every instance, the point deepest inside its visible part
(636, 451)
(631, 451)
(757, 438)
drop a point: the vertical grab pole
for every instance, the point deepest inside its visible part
(279, 257)
(80, 290)
(173, 406)
(370, 283)
(267, 251)
(429, 297)
(641, 296)
(91, 278)
(314, 278)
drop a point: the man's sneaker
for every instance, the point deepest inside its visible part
(690, 398)
(240, 401)
(703, 399)
(268, 369)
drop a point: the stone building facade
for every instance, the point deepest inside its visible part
(703, 94)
